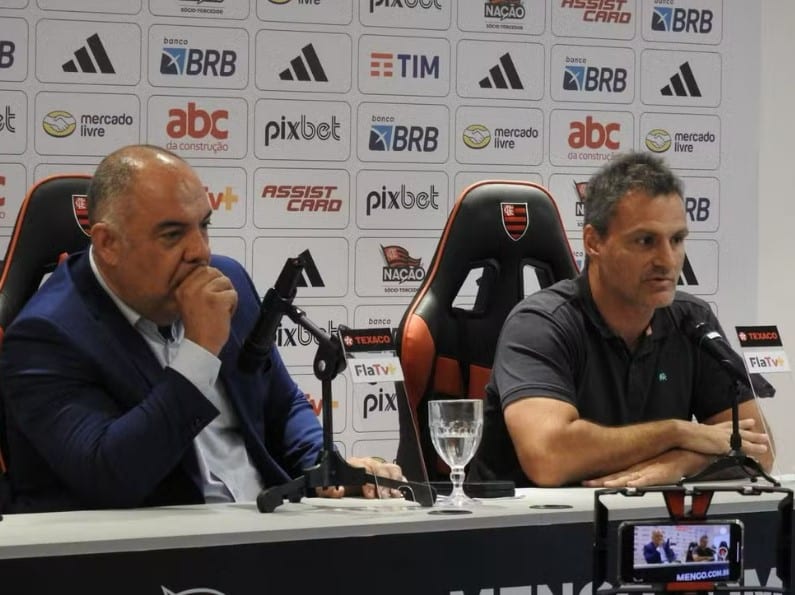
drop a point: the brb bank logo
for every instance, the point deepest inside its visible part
(593, 74)
(683, 21)
(403, 133)
(194, 56)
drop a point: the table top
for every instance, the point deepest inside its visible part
(207, 525)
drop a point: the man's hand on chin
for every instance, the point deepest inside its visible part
(664, 469)
(372, 465)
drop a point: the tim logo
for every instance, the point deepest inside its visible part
(502, 75)
(594, 135)
(422, 139)
(182, 61)
(593, 78)
(683, 83)
(415, 66)
(80, 210)
(305, 67)
(197, 123)
(310, 276)
(688, 276)
(90, 58)
(514, 219)
(681, 20)
(226, 197)
(7, 53)
(400, 266)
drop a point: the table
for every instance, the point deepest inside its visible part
(350, 546)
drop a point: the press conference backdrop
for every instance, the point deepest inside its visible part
(348, 127)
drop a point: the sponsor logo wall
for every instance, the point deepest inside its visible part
(349, 127)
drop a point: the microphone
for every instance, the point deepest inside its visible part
(257, 346)
(709, 340)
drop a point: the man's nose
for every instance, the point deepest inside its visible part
(197, 248)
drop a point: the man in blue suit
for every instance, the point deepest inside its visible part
(120, 375)
(658, 550)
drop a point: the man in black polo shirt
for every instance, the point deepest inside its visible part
(594, 380)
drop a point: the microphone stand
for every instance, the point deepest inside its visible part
(331, 469)
(736, 458)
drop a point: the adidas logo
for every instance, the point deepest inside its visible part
(683, 84)
(502, 75)
(307, 58)
(83, 56)
(310, 276)
(688, 276)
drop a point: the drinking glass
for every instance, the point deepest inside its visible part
(456, 427)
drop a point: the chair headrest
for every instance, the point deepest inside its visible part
(506, 222)
(53, 220)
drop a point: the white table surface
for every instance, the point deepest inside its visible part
(104, 531)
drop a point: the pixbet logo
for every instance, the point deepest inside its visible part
(305, 197)
(7, 53)
(298, 336)
(177, 59)
(7, 118)
(402, 199)
(302, 129)
(383, 401)
(681, 20)
(196, 123)
(425, 4)
(600, 11)
(594, 135)
(579, 77)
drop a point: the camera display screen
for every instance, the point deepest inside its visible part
(656, 552)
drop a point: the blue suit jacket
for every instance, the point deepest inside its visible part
(94, 421)
(652, 554)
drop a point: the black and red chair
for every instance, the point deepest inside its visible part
(52, 223)
(502, 241)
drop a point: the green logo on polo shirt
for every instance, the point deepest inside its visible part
(662, 377)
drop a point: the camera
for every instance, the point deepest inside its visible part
(662, 551)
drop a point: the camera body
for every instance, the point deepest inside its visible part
(664, 551)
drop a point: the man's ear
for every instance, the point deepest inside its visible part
(106, 243)
(591, 241)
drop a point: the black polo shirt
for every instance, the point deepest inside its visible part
(556, 344)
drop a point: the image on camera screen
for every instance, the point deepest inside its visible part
(666, 553)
